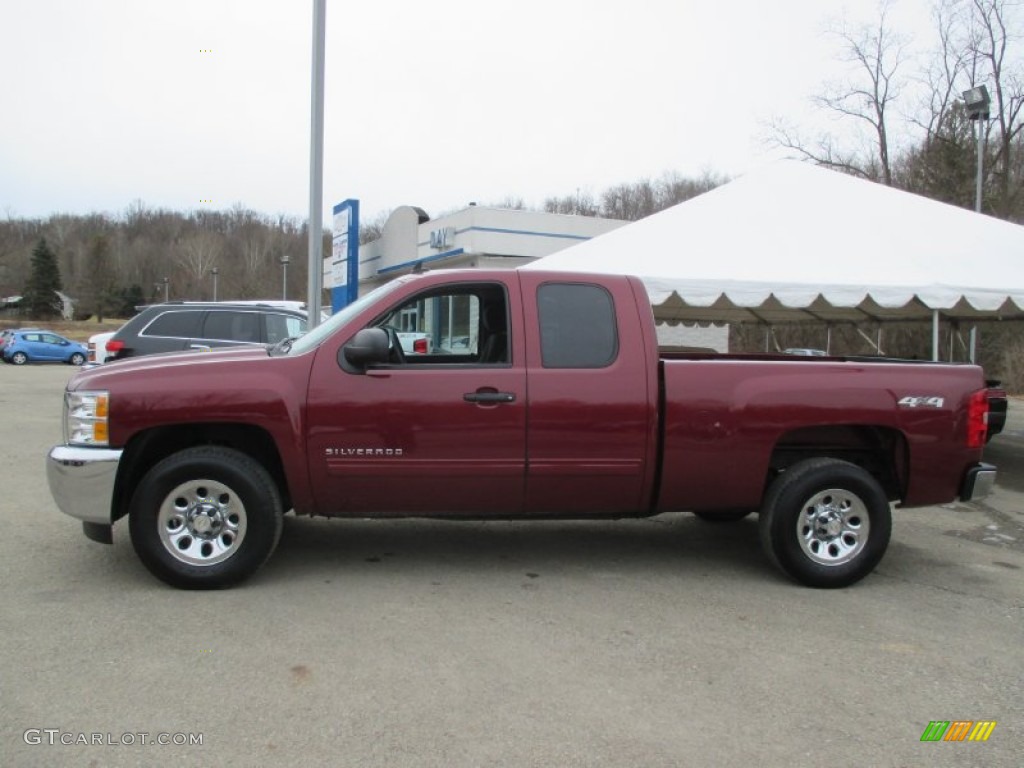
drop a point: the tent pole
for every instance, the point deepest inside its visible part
(935, 335)
(828, 339)
(973, 354)
(867, 338)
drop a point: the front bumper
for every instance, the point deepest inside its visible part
(82, 482)
(978, 482)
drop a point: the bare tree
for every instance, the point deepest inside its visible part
(580, 204)
(374, 228)
(945, 70)
(643, 198)
(511, 202)
(975, 47)
(876, 54)
(942, 165)
(197, 255)
(673, 188)
(993, 59)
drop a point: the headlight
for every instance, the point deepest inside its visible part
(85, 418)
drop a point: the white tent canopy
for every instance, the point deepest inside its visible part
(792, 242)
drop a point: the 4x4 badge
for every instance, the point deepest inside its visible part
(919, 401)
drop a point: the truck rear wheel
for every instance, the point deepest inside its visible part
(205, 518)
(826, 523)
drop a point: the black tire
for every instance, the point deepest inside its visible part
(724, 515)
(77, 359)
(19, 358)
(205, 518)
(826, 523)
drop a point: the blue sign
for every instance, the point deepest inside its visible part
(345, 255)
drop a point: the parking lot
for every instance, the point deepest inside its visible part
(659, 642)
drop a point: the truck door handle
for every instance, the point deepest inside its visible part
(489, 397)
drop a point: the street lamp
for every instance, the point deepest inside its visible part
(215, 272)
(976, 101)
(285, 258)
(166, 283)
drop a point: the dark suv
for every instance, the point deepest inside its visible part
(177, 326)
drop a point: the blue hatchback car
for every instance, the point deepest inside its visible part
(42, 347)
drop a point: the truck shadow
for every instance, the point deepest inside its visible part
(676, 543)
(1007, 453)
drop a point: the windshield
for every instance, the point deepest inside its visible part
(316, 336)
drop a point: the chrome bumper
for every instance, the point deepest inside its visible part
(82, 482)
(978, 482)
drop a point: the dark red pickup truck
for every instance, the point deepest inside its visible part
(525, 395)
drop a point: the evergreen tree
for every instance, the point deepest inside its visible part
(99, 280)
(40, 298)
(125, 300)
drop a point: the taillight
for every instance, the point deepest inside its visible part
(113, 347)
(419, 346)
(977, 419)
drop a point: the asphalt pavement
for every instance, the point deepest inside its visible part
(659, 642)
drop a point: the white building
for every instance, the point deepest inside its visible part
(490, 238)
(476, 236)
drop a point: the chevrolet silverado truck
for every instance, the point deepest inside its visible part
(542, 395)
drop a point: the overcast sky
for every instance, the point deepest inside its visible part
(196, 104)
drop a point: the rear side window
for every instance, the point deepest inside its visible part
(577, 326)
(232, 326)
(181, 324)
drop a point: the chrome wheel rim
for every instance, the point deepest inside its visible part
(202, 522)
(833, 527)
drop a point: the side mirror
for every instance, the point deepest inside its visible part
(368, 346)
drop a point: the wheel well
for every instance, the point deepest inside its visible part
(881, 451)
(146, 449)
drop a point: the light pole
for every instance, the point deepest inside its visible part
(215, 272)
(285, 258)
(166, 282)
(316, 167)
(976, 101)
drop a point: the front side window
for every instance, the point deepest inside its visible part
(577, 326)
(465, 324)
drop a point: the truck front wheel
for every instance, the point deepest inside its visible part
(825, 522)
(205, 518)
